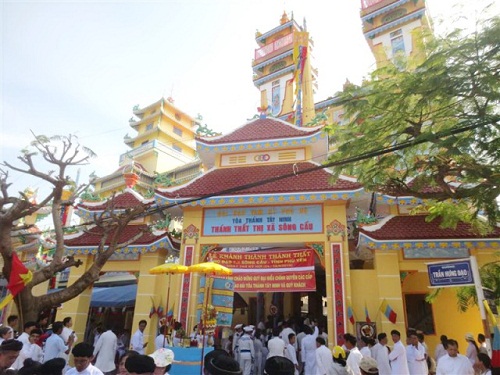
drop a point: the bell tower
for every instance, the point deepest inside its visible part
(283, 72)
(394, 27)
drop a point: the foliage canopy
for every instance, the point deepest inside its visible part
(445, 109)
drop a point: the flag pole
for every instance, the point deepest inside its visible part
(166, 320)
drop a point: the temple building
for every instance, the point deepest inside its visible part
(163, 148)
(298, 241)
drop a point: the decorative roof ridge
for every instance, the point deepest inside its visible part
(305, 130)
(329, 170)
(175, 188)
(378, 225)
(136, 195)
(277, 29)
(184, 166)
(382, 10)
(160, 101)
(120, 170)
(379, 29)
(71, 236)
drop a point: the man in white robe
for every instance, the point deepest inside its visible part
(137, 341)
(105, 350)
(308, 350)
(276, 345)
(381, 354)
(415, 353)
(324, 358)
(354, 357)
(291, 352)
(454, 363)
(397, 358)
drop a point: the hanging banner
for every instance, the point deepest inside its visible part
(270, 271)
(221, 294)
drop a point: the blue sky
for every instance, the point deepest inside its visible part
(80, 66)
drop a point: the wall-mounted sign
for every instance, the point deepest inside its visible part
(263, 220)
(270, 271)
(450, 274)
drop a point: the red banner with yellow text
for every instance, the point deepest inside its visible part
(270, 271)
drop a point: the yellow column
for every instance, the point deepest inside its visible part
(389, 286)
(78, 307)
(149, 288)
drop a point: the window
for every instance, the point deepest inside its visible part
(177, 131)
(397, 42)
(149, 126)
(276, 98)
(177, 148)
(419, 313)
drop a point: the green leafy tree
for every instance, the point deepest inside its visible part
(437, 120)
(61, 153)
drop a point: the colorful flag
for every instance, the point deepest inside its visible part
(152, 311)
(170, 314)
(368, 320)
(490, 313)
(20, 276)
(159, 311)
(350, 314)
(388, 312)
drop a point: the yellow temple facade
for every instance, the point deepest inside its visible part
(264, 206)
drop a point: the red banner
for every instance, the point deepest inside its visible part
(270, 271)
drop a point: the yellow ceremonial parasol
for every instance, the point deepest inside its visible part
(209, 269)
(169, 269)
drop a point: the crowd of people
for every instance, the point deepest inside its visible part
(306, 353)
(284, 348)
(42, 350)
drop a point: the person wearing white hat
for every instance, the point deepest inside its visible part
(163, 360)
(247, 351)
(238, 328)
(472, 348)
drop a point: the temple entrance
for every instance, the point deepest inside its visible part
(276, 284)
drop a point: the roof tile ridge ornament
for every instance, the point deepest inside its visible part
(137, 195)
(378, 225)
(264, 111)
(173, 189)
(284, 18)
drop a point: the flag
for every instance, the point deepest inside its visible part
(170, 314)
(368, 320)
(152, 311)
(490, 313)
(159, 311)
(350, 314)
(388, 312)
(20, 276)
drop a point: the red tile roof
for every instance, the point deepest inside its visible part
(416, 228)
(94, 235)
(121, 201)
(260, 129)
(221, 179)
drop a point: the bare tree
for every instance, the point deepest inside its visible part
(61, 152)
